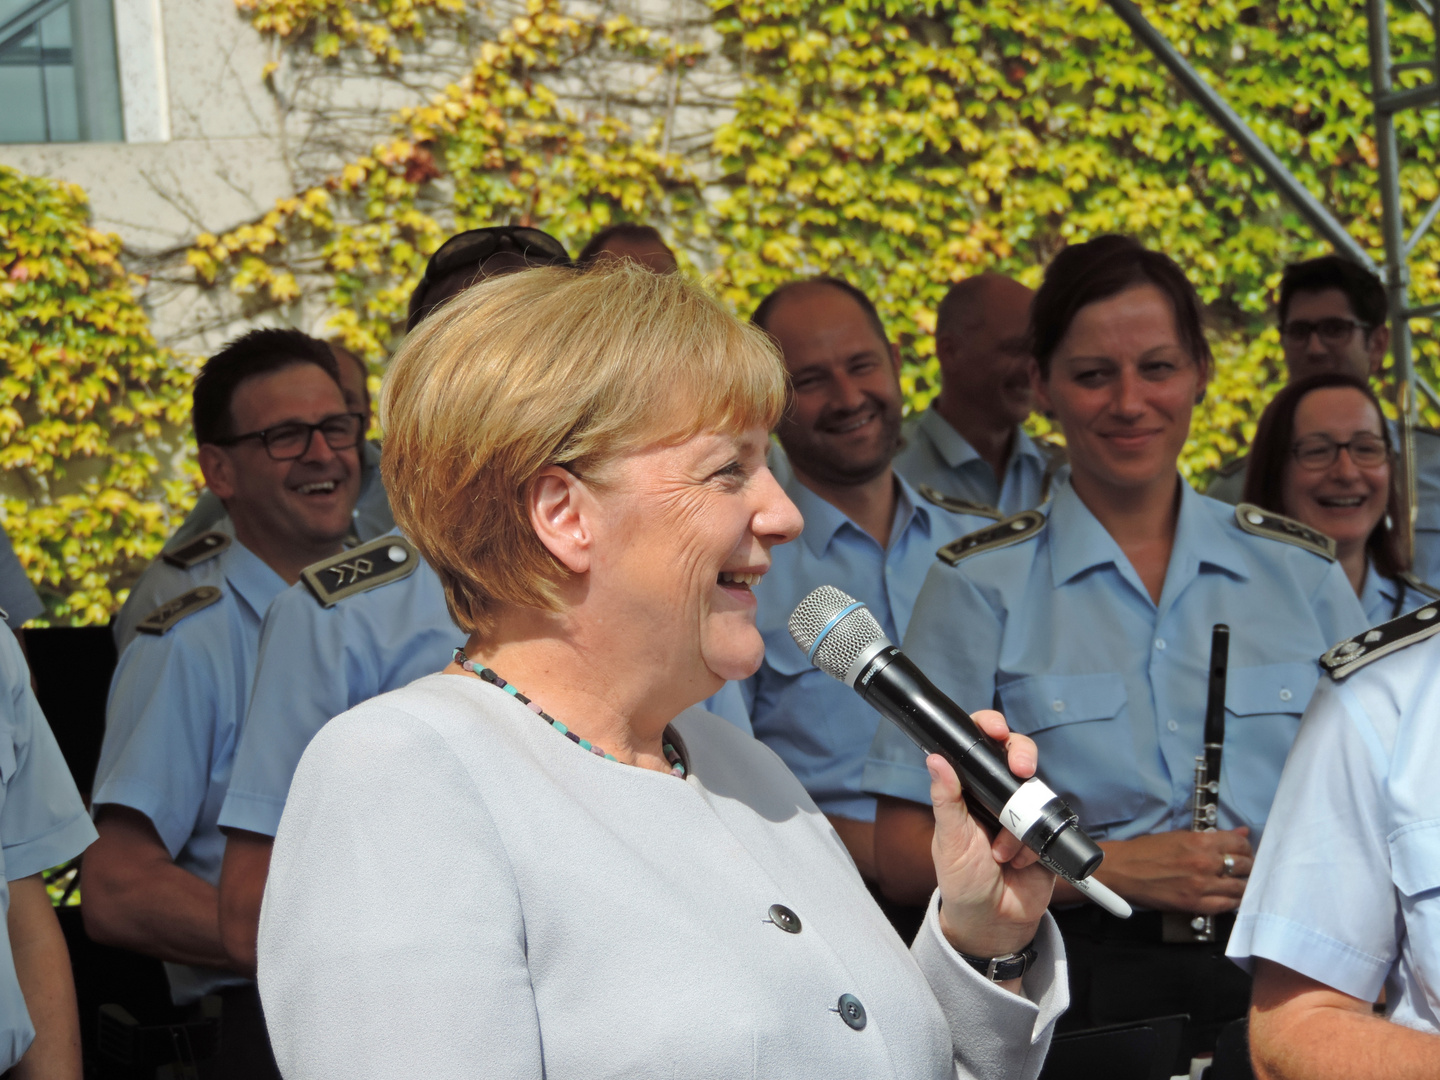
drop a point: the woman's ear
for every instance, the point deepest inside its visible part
(1207, 369)
(560, 506)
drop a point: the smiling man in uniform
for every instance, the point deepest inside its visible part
(278, 446)
(867, 531)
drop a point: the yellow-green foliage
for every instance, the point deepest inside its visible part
(87, 402)
(497, 147)
(907, 146)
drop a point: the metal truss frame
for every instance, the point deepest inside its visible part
(1387, 101)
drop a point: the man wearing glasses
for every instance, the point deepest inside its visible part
(278, 446)
(1333, 318)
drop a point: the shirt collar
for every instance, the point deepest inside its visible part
(251, 578)
(1200, 537)
(823, 519)
(955, 449)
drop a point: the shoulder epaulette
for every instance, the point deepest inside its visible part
(1233, 466)
(205, 546)
(957, 506)
(381, 561)
(1424, 588)
(172, 611)
(1354, 653)
(1260, 522)
(1002, 534)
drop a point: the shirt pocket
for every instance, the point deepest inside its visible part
(1415, 870)
(1087, 751)
(1263, 705)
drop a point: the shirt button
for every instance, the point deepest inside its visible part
(784, 918)
(852, 1012)
(1160, 643)
(1285, 694)
(1058, 705)
(1173, 726)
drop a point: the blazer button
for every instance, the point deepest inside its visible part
(784, 918)
(852, 1012)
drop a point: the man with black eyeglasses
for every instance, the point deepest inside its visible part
(278, 446)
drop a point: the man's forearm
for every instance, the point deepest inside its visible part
(1303, 1030)
(136, 898)
(42, 967)
(242, 888)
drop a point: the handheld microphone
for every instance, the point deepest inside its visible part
(841, 637)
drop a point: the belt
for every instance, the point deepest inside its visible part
(1143, 927)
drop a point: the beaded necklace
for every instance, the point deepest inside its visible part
(677, 766)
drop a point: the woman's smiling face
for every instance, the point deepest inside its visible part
(684, 533)
(1343, 500)
(1123, 385)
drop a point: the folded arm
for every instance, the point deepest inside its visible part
(136, 897)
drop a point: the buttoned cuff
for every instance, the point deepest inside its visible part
(995, 1033)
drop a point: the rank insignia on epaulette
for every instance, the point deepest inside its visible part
(172, 611)
(1002, 534)
(956, 506)
(360, 569)
(1354, 653)
(1260, 522)
(1424, 588)
(194, 552)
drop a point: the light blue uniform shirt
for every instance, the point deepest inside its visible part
(17, 596)
(160, 583)
(1387, 598)
(176, 703)
(938, 455)
(316, 663)
(820, 727)
(1346, 886)
(1058, 632)
(42, 822)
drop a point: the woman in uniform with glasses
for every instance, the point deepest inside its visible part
(1322, 455)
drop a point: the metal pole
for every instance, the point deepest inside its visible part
(1397, 272)
(1220, 111)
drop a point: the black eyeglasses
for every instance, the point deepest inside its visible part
(1318, 452)
(1331, 331)
(286, 442)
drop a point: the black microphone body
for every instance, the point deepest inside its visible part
(891, 683)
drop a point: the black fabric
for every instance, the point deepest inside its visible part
(1121, 971)
(244, 1052)
(905, 918)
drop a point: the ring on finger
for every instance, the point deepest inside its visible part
(1227, 868)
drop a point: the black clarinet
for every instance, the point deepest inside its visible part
(1205, 815)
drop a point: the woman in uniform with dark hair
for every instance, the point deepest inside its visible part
(1322, 455)
(1088, 622)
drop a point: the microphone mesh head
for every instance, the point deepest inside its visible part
(844, 641)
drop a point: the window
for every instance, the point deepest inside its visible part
(58, 78)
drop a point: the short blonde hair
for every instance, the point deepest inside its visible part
(551, 367)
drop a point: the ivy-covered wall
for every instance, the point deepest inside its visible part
(94, 463)
(904, 146)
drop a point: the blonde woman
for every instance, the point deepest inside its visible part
(544, 860)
